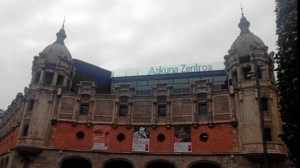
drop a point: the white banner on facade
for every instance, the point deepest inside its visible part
(100, 137)
(140, 141)
(182, 138)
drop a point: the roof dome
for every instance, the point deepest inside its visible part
(245, 39)
(58, 49)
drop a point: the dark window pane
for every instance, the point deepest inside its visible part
(30, 105)
(202, 96)
(202, 109)
(247, 75)
(260, 72)
(166, 81)
(124, 99)
(162, 110)
(142, 83)
(85, 98)
(48, 78)
(123, 110)
(84, 109)
(25, 131)
(60, 80)
(161, 99)
(244, 59)
(37, 77)
(264, 104)
(268, 134)
(176, 81)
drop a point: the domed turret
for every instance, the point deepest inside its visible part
(246, 49)
(54, 65)
(241, 46)
(58, 49)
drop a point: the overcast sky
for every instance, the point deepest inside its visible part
(118, 34)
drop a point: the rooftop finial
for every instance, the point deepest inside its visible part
(61, 35)
(244, 23)
(242, 9)
(63, 26)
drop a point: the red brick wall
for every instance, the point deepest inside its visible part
(9, 140)
(64, 136)
(115, 144)
(220, 138)
(165, 146)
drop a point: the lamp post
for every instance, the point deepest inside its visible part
(262, 122)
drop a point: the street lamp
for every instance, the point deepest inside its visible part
(262, 123)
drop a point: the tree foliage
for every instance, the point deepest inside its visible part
(287, 75)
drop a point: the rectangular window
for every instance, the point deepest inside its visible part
(84, 109)
(123, 111)
(162, 110)
(234, 78)
(202, 109)
(48, 78)
(202, 96)
(264, 104)
(124, 99)
(25, 131)
(37, 77)
(219, 79)
(152, 82)
(143, 92)
(170, 81)
(30, 105)
(180, 81)
(268, 134)
(244, 59)
(85, 97)
(247, 71)
(60, 80)
(142, 83)
(161, 106)
(193, 80)
(260, 72)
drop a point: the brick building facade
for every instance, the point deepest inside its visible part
(74, 114)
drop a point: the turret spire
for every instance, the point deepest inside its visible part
(63, 26)
(61, 35)
(244, 23)
(242, 10)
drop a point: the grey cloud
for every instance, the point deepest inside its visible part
(118, 34)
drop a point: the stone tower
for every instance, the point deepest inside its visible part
(52, 72)
(250, 71)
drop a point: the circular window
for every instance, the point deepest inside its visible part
(161, 137)
(203, 137)
(121, 137)
(80, 135)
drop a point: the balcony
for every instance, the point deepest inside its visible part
(254, 151)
